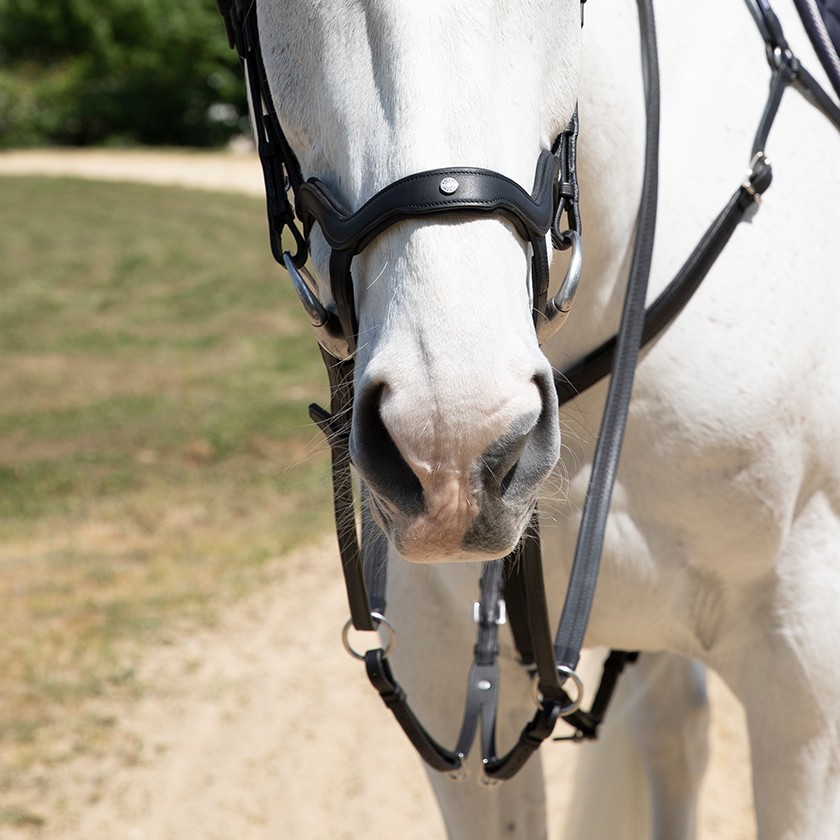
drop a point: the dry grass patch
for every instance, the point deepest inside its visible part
(155, 453)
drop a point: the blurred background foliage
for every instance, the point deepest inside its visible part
(117, 72)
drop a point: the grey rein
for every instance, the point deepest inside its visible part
(518, 579)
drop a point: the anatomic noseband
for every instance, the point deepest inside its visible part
(457, 190)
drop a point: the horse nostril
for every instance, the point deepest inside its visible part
(519, 461)
(378, 459)
(499, 463)
(507, 480)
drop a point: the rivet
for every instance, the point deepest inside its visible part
(448, 186)
(484, 685)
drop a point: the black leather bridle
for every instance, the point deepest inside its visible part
(477, 192)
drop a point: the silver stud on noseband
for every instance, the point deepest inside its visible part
(448, 186)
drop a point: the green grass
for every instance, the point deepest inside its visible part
(155, 451)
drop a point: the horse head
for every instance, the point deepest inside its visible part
(455, 420)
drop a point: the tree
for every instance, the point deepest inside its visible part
(85, 72)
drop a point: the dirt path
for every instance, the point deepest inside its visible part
(264, 728)
(254, 729)
(236, 172)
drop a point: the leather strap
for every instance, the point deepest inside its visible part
(455, 190)
(473, 190)
(815, 17)
(380, 674)
(336, 428)
(597, 364)
(787, 71)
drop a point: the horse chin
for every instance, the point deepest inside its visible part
(488, 534)
(458, 557)
(425, 554)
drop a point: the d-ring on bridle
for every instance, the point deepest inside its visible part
(478, 191)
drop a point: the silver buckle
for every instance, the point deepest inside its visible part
(747, 183)
(501, 613)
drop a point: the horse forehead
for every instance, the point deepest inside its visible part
(374, 90)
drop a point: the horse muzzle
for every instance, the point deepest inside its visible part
(457, 489)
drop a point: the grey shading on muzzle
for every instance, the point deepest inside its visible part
(505, 480)
(510, 473)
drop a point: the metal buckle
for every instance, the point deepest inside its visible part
(747, 183)
(379, 620)
(501, 613)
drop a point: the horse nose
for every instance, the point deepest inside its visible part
(463, 485)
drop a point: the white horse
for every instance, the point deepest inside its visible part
(723, 546)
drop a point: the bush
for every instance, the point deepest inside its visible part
(85, 72)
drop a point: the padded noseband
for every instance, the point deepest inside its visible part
(458, 190)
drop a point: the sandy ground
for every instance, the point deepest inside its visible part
(235, 172)
(262, 727)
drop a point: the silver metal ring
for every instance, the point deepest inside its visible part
(379, 620)
(575, 703)
(557, 308)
